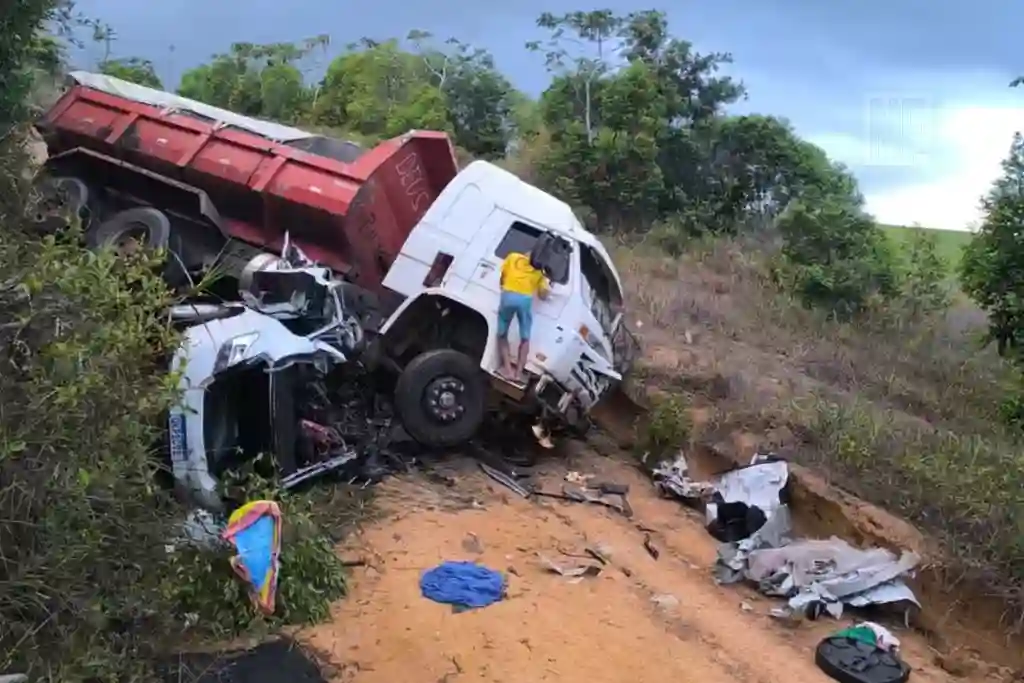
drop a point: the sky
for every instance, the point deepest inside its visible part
(913, 96)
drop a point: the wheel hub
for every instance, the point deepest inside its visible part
(131, 241)
(444, 399)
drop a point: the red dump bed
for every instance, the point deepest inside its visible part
(353, 214)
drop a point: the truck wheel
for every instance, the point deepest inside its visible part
(141, 227)
(441, 398)
(61, 197)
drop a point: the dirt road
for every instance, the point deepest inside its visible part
(640, 620)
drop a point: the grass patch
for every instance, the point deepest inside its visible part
(951, 243)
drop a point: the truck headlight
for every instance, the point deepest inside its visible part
(234, 350)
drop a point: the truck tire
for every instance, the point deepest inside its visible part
(62, 197)
(142, 225)
(441, 398)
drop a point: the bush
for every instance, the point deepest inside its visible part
(835, 256)
(84, 525)
(924, 285)
(668, 430)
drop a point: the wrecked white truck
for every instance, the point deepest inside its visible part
(413, 245)
(246, 371)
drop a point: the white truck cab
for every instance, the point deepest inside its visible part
(448, 273)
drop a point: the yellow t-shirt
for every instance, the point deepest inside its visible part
(517, 275)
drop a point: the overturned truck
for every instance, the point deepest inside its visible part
(414, 243)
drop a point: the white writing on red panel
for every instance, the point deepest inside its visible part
(413, 179)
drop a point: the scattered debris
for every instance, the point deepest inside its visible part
(582, 495)
(464, 585)
(864, 653)
(665, 601)
(649, 547)
(577, 572)
(597, 554)
(504, 479)
(818, 575)
(472, 544)
(672, 478)
(255, 531)
(746, 606)
(611, 488)
(200, 528)
(577, 478)
(870, 632)
(746, 508)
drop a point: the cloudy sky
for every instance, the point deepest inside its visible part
(912, 95)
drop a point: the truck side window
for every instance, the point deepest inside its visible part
(521, 238)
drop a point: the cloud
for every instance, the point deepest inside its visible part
(946, 152)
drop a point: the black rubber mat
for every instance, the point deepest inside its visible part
(848, 660)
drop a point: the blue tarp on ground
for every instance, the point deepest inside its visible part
(463, 584)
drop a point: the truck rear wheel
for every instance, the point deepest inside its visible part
(142, 226)
(61, 197)
(441, 398)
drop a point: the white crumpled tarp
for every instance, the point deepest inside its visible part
(828, 572)
(758, 485)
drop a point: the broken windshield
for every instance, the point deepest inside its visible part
(602, 292)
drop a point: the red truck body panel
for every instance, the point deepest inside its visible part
(353, 217)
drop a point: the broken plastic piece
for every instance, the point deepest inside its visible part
(579, 571)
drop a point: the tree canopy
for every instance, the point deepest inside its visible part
(633, 130)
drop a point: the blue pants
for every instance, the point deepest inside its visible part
(515, 305)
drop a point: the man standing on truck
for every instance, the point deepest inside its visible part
(521, 279)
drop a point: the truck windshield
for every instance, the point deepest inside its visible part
(603, 296)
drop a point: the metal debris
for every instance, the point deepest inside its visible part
(505, 480)
(577, 572)
(649, 547)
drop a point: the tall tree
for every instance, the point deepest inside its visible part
(256, 80)
(992, 269)
(577, 49)
(378, 90)
(480, 99)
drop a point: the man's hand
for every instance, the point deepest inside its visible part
(544, 291)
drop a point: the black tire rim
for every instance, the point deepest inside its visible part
(58, 200)
(444, 399)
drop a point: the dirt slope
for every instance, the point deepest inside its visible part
(605, 628)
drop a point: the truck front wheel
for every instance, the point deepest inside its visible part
(441, 398)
